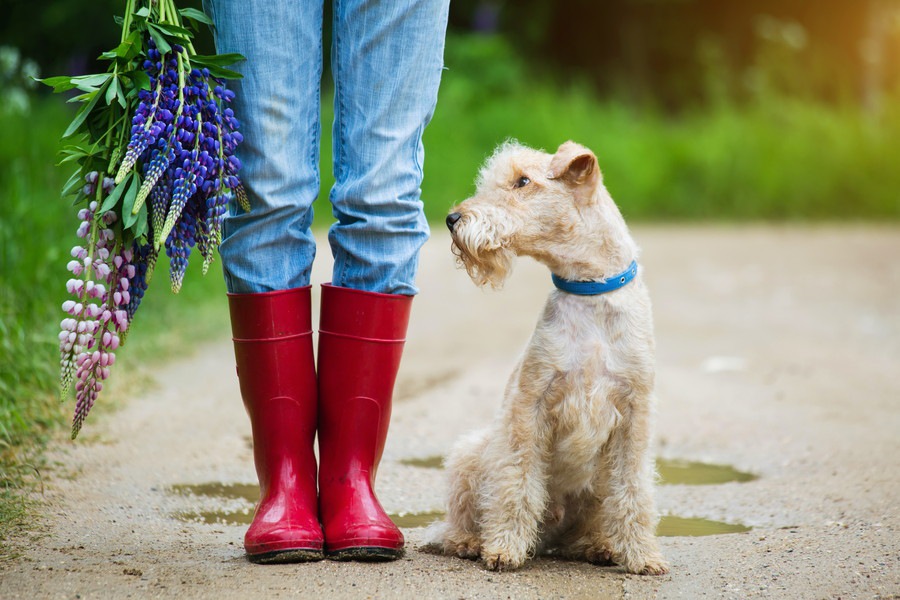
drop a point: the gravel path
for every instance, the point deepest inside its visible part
(778, 353)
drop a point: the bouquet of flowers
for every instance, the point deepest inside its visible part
(154, 141)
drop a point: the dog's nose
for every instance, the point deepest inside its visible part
(452, 218)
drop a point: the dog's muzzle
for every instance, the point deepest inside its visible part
(452, 219)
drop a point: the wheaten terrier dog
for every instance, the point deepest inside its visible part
(566, 466)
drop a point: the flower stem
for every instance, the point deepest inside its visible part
(126, 20)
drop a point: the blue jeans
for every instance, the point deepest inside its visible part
(387, 58)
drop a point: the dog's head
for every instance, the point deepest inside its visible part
(529, 203)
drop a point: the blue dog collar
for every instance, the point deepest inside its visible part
(595, 288)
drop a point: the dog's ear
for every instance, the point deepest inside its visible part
(577, 166)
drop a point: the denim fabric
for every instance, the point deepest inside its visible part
(387, 58)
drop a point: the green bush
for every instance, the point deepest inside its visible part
(774, 158)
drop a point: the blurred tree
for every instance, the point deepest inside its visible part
(660, 50)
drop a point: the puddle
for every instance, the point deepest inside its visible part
(429, 462)
(683, 472)
(668, 526)
(248, 492)
(680, 526)
(231, 491)
(671, 472)
(218, 517)
(422, 519)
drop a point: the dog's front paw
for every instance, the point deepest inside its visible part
(467, 547)
(500, 560)
(599, 555)
(654, 564)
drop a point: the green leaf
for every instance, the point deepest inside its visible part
(161, 43)
(85, 97)
(83, 113)
(63, 83)
(110, 202)
(70, 158)
(219, 60)
(223, 73)
(195, 15)
(173, 30)
(128, 219)
(143, 12)
(73, 184)
(141, 80)
(89, 83)
(112, 91)
(140, 224)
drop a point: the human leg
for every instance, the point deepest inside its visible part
(272, 247)
(267, 255)
(387, 59)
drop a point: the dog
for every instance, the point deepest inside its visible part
(566, 466)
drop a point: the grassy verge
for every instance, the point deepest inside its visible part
(37, 229)
(777, 159)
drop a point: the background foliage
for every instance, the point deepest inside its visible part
(697, 109)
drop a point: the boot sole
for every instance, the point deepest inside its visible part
(366, 554)
(286, 556)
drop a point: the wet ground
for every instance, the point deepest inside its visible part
(779, 415)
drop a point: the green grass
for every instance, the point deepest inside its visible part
(776, 159)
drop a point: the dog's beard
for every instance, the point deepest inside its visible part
(482, 253)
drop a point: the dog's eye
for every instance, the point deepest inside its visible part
(522, 182)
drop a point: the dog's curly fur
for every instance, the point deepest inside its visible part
(566, 466)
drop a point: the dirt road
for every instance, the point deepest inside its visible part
(778, 353)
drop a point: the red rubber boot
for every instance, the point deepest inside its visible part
(361, 337)
(276, 369)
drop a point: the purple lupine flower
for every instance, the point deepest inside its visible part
(154, 169)
(178, 247)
